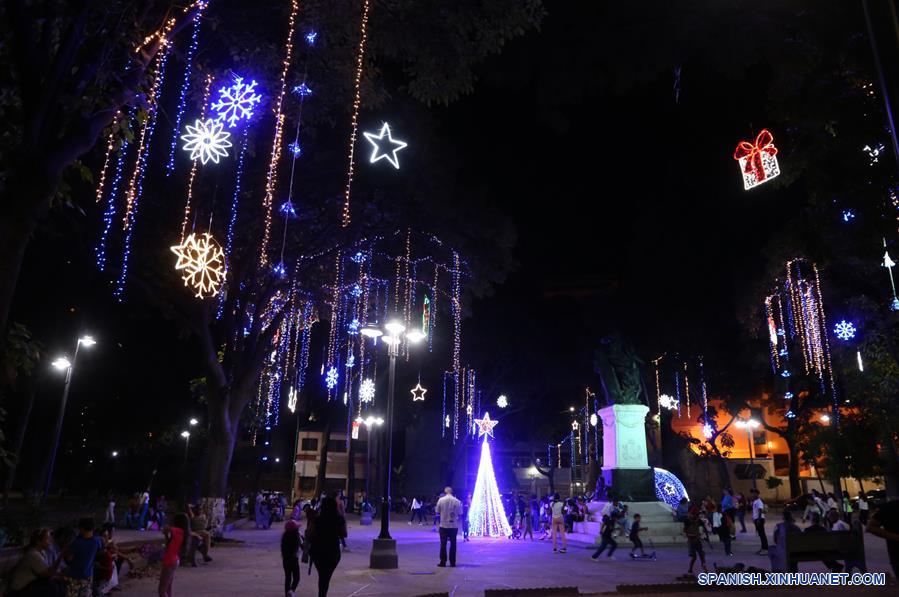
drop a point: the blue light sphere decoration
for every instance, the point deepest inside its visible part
(669, 488)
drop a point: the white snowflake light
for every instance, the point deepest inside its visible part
(236, 102)
(377, 140)
(502, 401)
(201, 262)
(292, 400)
(844, 330)
(367, 391)
(206, 140)
(707, 431)
(331, 378)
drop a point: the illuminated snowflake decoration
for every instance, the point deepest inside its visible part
(280, 270)
(353, 327)
(206, 140)
(302, 90)
(359, 257)
(788, 395)
(236, 102)
(844, 330)
(378, 140)
(292, 400)
(502, 401)
(790, 415)
(707, 431)
(669, 488)
(367, 390)
(201, 262)
(894, 305)
(331, 378)
(668, 401)
(288, 209)
(785, 373)
(848, 215)
(446, 421)
(351, 362)
(295, 149)
(310, 37)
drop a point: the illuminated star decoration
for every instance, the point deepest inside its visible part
(485, 425)
(331, 378)
(669, 489)
(668, 401)
(236, 102)
(418, 393)
(201, 261)
(707, 431)
(367, 391)
(844, 330)
(502, 401)
(389, 155)
(206, 140)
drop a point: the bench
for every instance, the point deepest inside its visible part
(847, 546)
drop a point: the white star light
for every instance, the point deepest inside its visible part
(206, 140)
(667, 401)
(418, 393)
(367, 391)
(485, 425)
(390, 154)
(669, 489)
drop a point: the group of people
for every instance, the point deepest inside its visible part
(69, 563)
(140, 513)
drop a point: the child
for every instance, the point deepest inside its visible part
(721, 527)
(635, 536)
(175, 535)
(694, 539)
(290, 546)
(528, 524)
(608, 527)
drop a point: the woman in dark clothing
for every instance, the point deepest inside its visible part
(325, 532)
(290, 547)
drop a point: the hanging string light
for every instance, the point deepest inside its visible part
(271, 177)
(357, 102)
(135, 184)
(110, 145)
(232, 219)
(109, 213)
(193, 170)
(185, 85)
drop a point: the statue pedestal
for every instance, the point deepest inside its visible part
(625, 469)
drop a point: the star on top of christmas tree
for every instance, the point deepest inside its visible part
(485, 425)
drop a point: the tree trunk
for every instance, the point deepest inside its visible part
(24, 418)
(795, 488)
(891, 465)
(219, 451)
(323, 458)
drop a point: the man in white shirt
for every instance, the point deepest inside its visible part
(416, 512)
(758, 519)
(449, 509)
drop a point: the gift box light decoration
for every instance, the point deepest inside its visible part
(758, 160)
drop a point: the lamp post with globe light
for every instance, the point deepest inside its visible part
(63, 364)
(383, 550)
(369, 422)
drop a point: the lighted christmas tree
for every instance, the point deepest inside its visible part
(486, 517)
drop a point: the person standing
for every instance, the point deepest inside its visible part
(721, 526)
(466, 506)
(758, 519)
(740, 506)
(557, 512)
(448, 510)
(694, 539)
(290, 561)
(528, 524)
(176, 535)
(863, 508)
(110, 509)
(79, 558)
(144, 510)
(325, 532)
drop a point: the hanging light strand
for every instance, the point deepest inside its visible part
(357, 102)
(207, 89)
(110, 145)
(271, 177)
(109, 213)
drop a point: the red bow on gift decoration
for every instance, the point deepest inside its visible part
(764, 143)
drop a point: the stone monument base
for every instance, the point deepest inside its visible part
(630, 484)
(657, 517)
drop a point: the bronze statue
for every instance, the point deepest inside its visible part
(618, 367)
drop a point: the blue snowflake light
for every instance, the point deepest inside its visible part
(785, 373)
(848, 215)
(351, 362)
(894, 306)
(790, 415)
(302, 90)
(353, 327)
(359, 257)
(280, 270)
(310, 37)
(788, 395)
(844, 330)
(236, 102)
(356, 291)
(331, 378)
(295, 149)
(669, 488)
(287, 208)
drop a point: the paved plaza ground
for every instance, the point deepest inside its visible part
(253, 568)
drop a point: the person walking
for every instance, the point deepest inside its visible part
(448, 510)
(290, 561)
(557, 511)
(721, 526)
(758, 519)
(416, 511)
(110, 510)
(324, 533)
(608, 529)
(740, 505)
(694, 539)
(863, 508)
(634, 536)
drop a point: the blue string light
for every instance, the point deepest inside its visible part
(141, 160)
(229, 240)
(185, 85)
(109, 213)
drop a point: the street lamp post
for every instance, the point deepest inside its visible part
(186, 435)
(749, 425)
(63, 364)
(369, 422)
(383, 550)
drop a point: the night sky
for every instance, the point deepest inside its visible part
(628, 207)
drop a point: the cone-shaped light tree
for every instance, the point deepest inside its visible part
(486, 516)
